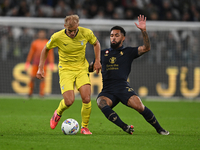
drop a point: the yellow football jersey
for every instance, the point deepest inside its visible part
(72, 50)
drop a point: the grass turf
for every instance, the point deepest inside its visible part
(24, 125)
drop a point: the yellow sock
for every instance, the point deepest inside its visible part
(62, 107)
(85, 114)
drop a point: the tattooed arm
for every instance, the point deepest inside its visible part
(142, 26)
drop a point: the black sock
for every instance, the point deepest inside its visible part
(113, 117)
(150, 118)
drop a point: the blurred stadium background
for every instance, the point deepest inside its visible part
(170, 69)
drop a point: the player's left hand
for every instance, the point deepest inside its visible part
(142, 22)
(97, 66)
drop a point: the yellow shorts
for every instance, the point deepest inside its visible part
(69, 79)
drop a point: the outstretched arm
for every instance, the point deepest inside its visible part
(142, 26)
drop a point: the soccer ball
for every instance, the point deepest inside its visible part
(70, 126)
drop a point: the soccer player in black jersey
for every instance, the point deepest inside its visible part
(116, 66)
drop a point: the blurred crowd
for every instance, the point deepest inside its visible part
(178, 46)
(171, 10)
(168, 46)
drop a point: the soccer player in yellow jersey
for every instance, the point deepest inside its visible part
(73, 67)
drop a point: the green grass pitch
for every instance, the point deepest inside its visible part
(24, 125)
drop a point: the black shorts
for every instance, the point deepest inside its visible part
(121, 94)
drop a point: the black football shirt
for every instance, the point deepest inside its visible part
(116, 66)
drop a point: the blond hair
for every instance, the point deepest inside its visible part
(71, 20)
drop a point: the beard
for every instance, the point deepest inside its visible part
(115, 45)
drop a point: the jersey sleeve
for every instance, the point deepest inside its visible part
(51, 43)
(91, 37)
(134, 52)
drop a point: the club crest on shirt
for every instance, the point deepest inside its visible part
(82, 42)
(121, 53)
(112, 60)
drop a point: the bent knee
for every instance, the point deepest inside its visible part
(136, 103)
(68, 101)
(103, 101)
(139, 108)
(100, 103)
(86, 99)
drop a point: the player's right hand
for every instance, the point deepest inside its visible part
(40, 74)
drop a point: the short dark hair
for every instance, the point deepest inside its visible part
(118, 28)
